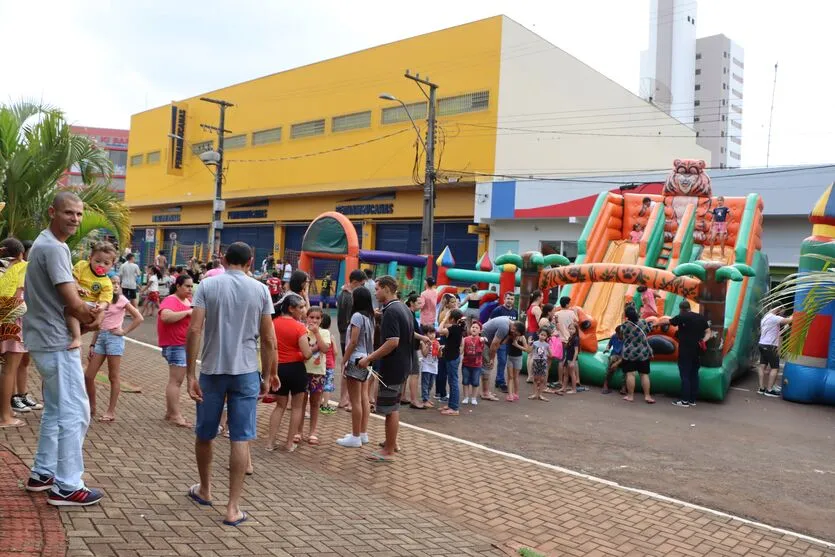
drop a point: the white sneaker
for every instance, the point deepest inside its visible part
(465, 401)
(364, 438)
(473, 401)
(349, 441)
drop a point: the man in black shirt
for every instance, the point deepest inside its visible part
(344, 309)
(397, 332)
(693, 328)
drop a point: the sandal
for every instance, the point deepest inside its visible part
(382, 445)
(378, 457)
(15, 423)
(649, 400)
(416, 407)
(313, 440)
(449, 412)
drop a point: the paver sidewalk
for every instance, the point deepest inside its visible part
(439, 498)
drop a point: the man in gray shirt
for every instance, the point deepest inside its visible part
(236, 311)
(50, 287)
(129, 273)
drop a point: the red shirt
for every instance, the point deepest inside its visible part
(173, 334)
(274, 285)
(288, 331)
(330, 358)
(473, 351)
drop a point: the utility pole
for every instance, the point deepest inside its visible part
(217, 204)
(428, 224)
(771, 118)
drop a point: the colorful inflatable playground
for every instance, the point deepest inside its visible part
(810, 377)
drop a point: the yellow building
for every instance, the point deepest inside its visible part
(317, 138)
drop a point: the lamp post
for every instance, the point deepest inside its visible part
(428, 223)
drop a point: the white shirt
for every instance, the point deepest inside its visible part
(770, 330)
(288, 270)
(129, 272)
(153, 283)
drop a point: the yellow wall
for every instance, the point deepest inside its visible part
(463, 59)
(452, 202)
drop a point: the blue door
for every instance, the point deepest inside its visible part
(405, 238)
(187, 239)
(258, 237)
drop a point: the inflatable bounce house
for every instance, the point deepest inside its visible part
(672, 255)
(810, 377)
(332, 236)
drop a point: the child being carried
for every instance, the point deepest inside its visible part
(94, 286)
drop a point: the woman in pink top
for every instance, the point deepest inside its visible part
(109, 343)
(172, 324)
(430, 303)
(648, 305)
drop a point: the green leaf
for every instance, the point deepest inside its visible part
(556, 260)
(691, 269)
(512, 258)
(727, 272)
(746, 270)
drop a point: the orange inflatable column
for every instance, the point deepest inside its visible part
(507, 280)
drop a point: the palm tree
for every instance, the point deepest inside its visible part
(818, 288)
(36, 148)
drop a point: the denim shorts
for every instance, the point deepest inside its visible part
(329, 386)
(108, 344)
(240, 395)
(470, 375)
(174, 355)
(515, 362)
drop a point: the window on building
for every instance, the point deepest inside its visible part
(202, 147)
(737, 125)
(698, 87)
(119, 160)
(736, 140)
(724, 54)
(721, 165)
(566, 248)
(75, 180)
(737, 78)
(697, 134)
(722, 150)
(736, 93)
(733, 155)
(724, 70)
(234, 141)
(738, 63)
(723, 117)
(698, 71)
(471, 102)
(307, 129)
(693, 21)
(724, 86)
(696, 119)
(722, 133)
(355, 121)
(262, 137)
(697, 103)
(723, 102)
(688, 19)
(136, 160)
(117, 184)
(152, 157)
(394, 114)
(736, 108)
(698, 56)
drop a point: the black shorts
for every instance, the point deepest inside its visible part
(130, 293)
(569, 351)
(388, 399)
(641, 366)
(769, 356)
(293, 378)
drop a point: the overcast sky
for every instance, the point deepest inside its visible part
(101, 61)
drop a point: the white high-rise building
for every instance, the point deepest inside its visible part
(668, 65)
(720, 64)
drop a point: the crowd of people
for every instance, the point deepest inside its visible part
(262, 340)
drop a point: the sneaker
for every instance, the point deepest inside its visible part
(465, 401)
(78, 498)
(41, 483)
(18, 405)
(771, 393)
(364, 438)
(760, 391)
(474, 401)
(692, 403)
(349, 441)
(444, 399)
(30, 401)
(681, 403)
(327, 410)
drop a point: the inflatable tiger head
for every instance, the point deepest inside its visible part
(688, 178)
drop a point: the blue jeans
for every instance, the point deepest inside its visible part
(426, 381)
(471, 376)
(441, 380)
(240, 395)
(65, 418)
(451, 367)
(501, 364)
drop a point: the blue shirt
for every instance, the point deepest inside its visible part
(720, 214)
(501, 311)
(615, 345)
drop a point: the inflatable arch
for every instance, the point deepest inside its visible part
(331, 235)
(658, 279)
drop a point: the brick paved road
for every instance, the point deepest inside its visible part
(439, 498)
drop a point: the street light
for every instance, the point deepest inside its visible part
(390, 97)
(428, 221)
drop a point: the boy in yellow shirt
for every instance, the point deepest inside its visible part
(94, 285)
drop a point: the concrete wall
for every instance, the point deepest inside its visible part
(530, 233)
(608, 128)
(782, 237)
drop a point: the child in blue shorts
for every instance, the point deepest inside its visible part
(330, 364)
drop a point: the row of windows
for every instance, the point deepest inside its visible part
(736, 140)
(736, 93)
(736, 124)
(736, 108)
(733, 155)
(150, 158)
(459, 104)
(737, 78)
(697, 102)
(738, 63)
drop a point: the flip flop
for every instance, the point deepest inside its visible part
(313, 440)
(192, 493)
(649, 401)
(238, 522)
(382, 445)
(15, 423)
(416, 407)
(377, 457)
(107, 419)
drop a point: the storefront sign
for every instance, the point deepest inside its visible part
(165, 218)
(248, 214)
(149, 234)
(366, 209)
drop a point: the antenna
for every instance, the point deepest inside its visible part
(771, 117)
